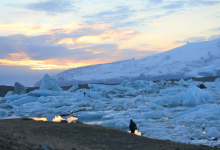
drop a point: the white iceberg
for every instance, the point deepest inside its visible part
(49, 83)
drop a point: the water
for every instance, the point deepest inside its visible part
(57, 119)
(72, 119)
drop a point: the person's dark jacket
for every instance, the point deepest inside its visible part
(132, 126)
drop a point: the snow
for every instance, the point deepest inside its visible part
(190, 60)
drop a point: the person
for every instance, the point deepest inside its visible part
(132, 126)
(84, 94)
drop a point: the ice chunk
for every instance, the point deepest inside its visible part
(73, 88)
(50, 117)
(181, 82)
(117, 101)
(12, 98)
(3, 113)
(153, 85)
(121, 88)
(41, 99)
(196, 96)
(155, 106)
(213, 132)
(143, 108)
(19, 89)
(189, 81)
(162, 83)
(100, 87)
(9, 93)
(21, 101)
(38, 93)
(174, 90)
(91, 115)
(205, 111)
(45, 93)
(122, 124)
(171, 101)
(138, 84)
(217, 80)
(49, 83)
(153, 115)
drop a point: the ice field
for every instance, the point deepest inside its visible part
(179, 111)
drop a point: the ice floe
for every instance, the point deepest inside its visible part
(179, 111)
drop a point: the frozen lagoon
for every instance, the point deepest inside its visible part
(179, 112)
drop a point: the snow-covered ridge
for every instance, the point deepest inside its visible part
(190, 60)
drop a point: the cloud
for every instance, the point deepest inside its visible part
(203, 2)
(68, 48)
(156, 1)
(198, 39)
(215, 29)
(52, 7)
(174, 5)
(163, 15)
(191, 40)
(116, 17)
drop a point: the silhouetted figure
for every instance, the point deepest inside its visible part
(84, 94)
(132, 126)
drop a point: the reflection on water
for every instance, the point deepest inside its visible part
(57, 119)
(95, 122)
(40, 119)
(136, 132)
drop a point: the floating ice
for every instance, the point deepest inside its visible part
(19, 89)
(153, 115)
(217, 80)
(9, 93)
(163, 83)
(3, 113)
(181, 82)
(41, 99)
(73, 88)
(91, 115)
(49, 83)
(39, 93)
(155, 106)
(172, 112)
(196, 96)
(172, 90)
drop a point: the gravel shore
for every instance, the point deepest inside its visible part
(23, 134)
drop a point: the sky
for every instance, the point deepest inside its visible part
(50, 36)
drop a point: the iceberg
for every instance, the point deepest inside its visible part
(19, 89)
(3, 113)
(49, 83)
(73, 88)
(196, 96)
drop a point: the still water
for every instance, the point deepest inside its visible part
(57, 119)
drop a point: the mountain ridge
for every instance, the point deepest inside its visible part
(190, 60)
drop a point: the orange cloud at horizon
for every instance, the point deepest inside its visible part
(40, 64)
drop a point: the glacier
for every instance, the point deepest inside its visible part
(176, 111)
(190, 60)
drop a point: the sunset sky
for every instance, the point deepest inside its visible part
(49, 36)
